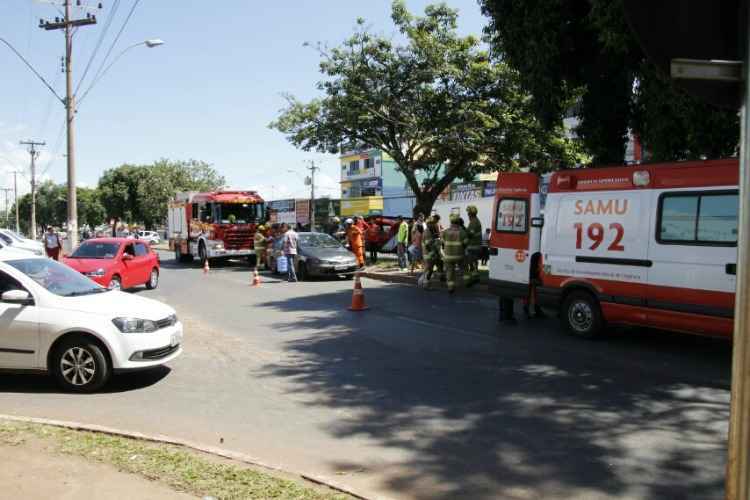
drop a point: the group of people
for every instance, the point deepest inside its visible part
(265, 239)
(454, 252)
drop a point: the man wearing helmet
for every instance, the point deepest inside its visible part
(260, 246)
(474, 247)
(454, 244)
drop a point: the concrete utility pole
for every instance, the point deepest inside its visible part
(67, 24)
(7, 207)
(34, 153)
(312, 168)
(15, 200)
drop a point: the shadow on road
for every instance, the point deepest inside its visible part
(45, 384)
(483, 413)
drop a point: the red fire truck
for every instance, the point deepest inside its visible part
(216, 225)
(650, 245)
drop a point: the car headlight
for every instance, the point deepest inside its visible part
(98, 273)
(218, 246)
(134, 325)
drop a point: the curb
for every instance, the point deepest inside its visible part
(162, 439)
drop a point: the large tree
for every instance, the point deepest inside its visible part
(139, 193)
(581, 51)
(435, 103)
(51, 207)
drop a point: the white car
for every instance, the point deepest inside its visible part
(151, 236)
(11, 238)
(54, 319)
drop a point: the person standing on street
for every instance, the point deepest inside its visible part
(52, 244)
(454, 244)
(474, 247)
(430, 251)
(402, 240)
(356, 241)
(260, 246)
(485, 247)
(372, 239)
(417, 233)
(289, 246)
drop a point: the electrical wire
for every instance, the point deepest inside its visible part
(99, 42)
(102, 66)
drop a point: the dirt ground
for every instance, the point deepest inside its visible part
(30, 470)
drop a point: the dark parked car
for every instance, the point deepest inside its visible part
(322, 255)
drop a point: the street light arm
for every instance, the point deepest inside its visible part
(59, 98)
(147, 43)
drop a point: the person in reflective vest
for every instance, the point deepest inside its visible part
(260, 246)
(356, 241)
(430, 251)
(474, 247)
(454, 245)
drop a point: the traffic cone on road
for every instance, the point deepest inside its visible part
(358, 296)
(256, 278)
(206, 267)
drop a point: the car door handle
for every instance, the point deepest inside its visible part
(731, 269)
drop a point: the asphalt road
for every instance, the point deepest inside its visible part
(422, 396)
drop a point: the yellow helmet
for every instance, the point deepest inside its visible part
(471, 210)
(261, 228)
(455, 218)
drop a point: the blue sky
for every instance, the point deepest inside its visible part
(208, 93)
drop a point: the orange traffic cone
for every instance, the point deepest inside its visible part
(206, 267)
(256, 278)
(358, 296)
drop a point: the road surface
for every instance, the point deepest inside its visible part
(423, 396)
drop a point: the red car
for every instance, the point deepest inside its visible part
(116, 263)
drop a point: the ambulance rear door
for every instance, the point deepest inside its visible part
(516, 233)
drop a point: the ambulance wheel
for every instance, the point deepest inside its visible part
(581, 315)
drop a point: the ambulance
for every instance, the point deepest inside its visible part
(651, 245)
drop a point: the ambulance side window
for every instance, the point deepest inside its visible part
(511, 216)
(706, 218)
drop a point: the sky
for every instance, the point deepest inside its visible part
(208, 93)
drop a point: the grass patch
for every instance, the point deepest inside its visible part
(182, 470)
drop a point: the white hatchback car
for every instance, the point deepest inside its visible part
(151, 236)
(56, 320)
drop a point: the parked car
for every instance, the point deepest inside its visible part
(116, 263)
(322, 255)
(10, 238)
(54, 320)
(151, 236)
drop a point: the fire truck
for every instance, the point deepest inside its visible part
(649, 245)
(215, 225)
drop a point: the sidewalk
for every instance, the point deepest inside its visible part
(389, 272)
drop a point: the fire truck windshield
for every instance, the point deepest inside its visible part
(240, 213)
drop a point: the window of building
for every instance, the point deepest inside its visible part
(367, 163)
(698, 218)
(370, 191)
(353, 166)
(511, 216)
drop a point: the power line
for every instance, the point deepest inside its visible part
(102, 66)
(98, 45)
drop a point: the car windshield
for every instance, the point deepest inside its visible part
(56, 277)
(6, 239)
(318, 240)
(14, 236)
(96, 250)
(240, 213)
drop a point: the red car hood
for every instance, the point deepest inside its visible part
(88, 265)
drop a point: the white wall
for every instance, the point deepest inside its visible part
(484, 207)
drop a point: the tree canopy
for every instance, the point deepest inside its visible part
(51, 206)
(582, 51)
(435, 103)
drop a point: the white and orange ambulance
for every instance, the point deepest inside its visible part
(650, 245)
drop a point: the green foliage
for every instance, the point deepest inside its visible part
(52, 206)
(139, 193)
(436, 104)
(582, 50)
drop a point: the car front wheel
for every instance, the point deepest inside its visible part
(79, 365)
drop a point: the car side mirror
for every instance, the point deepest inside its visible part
(16, 297)
(127, 256)
(537, 221)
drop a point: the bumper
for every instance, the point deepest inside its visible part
(329, 270)
(228, 252)
(146, 350)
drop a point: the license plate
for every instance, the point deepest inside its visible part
(340, 268)
(174, 340)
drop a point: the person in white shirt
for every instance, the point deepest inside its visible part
(52, 243)
(289, 247)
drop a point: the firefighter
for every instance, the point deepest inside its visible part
(454, 245)
(474, 247)
(356, 241)
(260, 246)
(430, 251)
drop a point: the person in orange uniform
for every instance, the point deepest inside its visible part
(356, 241)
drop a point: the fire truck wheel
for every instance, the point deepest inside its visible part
(581, 315)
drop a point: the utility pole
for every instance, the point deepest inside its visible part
(15, 200)
(312, 168)
(67, 24)
(7, 207)
(34, 153)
